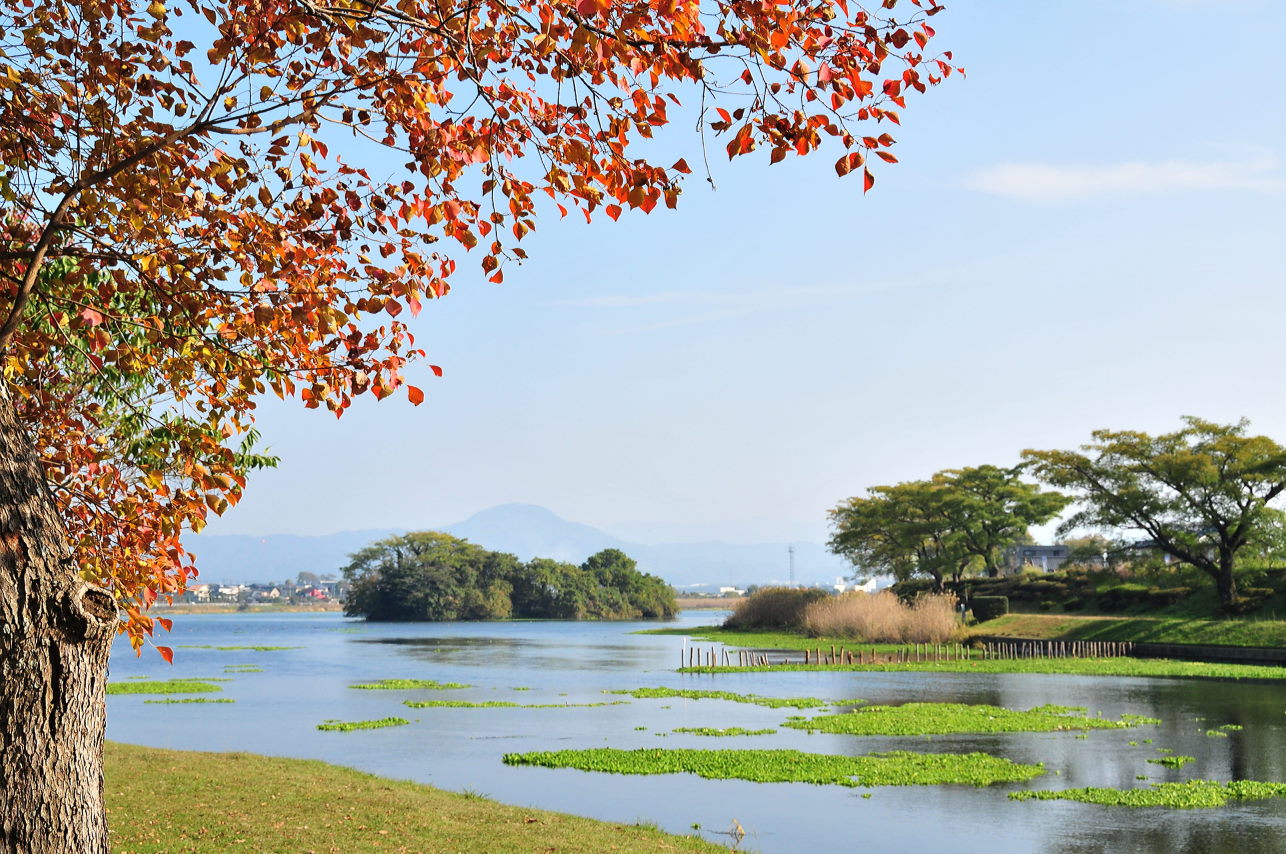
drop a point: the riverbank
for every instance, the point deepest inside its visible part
(922, 659)
(163, 609)
(1164, 630)
(178, 801)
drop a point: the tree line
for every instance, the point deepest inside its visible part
(429, 575)
(1201, 495)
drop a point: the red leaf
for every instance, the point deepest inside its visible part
(166, 653)
(614, 211)
(868, 180)
(91, 317)
(437, 372)
(414, 395)
(166, 624)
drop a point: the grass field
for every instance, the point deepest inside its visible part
(1261, 633)
(172, 802)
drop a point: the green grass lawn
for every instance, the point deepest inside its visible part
(1263, 633)
(173, 802)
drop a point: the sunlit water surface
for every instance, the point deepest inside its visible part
(276, 712)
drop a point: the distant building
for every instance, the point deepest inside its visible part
(1045, 558)
(843, 585)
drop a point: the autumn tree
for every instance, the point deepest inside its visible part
(1200, 494)
(204, 202)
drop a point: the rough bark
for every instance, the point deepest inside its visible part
(55, 632)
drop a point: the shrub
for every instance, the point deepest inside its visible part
(989, 607)
(1171, 595)
(774, 608)
(1250, 598)
(883, 617)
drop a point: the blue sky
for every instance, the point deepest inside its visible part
(1085, 232)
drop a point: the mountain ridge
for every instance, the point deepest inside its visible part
(525, 530)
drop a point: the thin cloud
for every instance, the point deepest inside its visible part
(766, 298)
(714, 306)
(1048, 182)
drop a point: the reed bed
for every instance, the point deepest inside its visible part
(883, 618)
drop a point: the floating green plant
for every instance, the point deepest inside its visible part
(715, 731)
(500, 704)
(169, 686)
(349, 726)
(1215, 733)
(792, 766)
(941, 718)
(408, 685)
(242, 668)
(1232, 727)
(170, 701)
(1175, 761)
(770, 702)
(1193, 794)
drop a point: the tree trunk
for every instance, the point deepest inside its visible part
(1226, 581)
(55, 633)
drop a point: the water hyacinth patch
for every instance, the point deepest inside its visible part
(755, 699)
(169, 686)
(501, 704)
(170, 701)
(943, 718)
(715, 731)
(1193, 794)
(791, 766)
(408, 685)
(349, 726)
(1175, 761)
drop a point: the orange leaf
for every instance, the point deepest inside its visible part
(166, 653)
(414, 395)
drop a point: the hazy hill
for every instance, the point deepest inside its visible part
(527, 531)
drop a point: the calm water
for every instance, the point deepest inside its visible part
(276, 713)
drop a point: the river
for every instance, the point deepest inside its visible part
(277, 710)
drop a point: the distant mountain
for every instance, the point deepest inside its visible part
(527, 531)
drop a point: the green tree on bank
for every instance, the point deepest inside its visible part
(957, 522)
(1200, 494)
(435, 576)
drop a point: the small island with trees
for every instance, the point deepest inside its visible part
(429, 575)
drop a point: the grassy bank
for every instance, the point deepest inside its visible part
(1150, 667)
(171, 801)
(1258, 633)
(246, 608)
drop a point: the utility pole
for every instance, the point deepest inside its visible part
(790, 550)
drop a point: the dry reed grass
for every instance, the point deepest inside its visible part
(774, 608)
(883, 618)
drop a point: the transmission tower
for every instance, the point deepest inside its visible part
(790, 550)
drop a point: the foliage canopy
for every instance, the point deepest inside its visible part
(434, 576)
(1200, 494)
